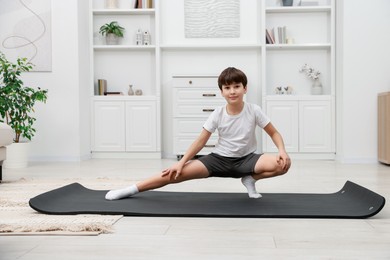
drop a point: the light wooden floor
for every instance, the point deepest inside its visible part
(216, 238)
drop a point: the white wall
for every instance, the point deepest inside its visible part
(363, 70)
(62, 122)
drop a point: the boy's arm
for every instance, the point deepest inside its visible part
(278, 141)
(194, 148)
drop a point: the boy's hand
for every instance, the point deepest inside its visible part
(284, 160)
(173, 172)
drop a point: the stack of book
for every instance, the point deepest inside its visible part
(102, 87)
(143, 4)
(276, 35)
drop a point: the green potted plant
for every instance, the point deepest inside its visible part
(17, 101)
(112, 31)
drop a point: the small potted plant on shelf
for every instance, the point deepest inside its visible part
(16, 107)
(112, 31)
(314, 75)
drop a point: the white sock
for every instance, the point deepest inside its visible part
(122, 193)
(249, 184)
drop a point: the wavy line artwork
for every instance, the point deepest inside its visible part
(25, 31)
(212, 18)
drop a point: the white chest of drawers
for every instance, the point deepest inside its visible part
(194, 98)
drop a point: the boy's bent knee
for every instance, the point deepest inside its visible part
(280, 170)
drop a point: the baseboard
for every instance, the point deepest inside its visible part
(60, 158)
(124, 155)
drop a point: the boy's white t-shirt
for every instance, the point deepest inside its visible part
(236, 132)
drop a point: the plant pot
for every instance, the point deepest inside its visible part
(17, 155)
(287, 2)
(316, 88)
(112, 39)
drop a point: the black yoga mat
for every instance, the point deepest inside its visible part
(352, 201)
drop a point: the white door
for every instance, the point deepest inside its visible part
(141, 126)
(315, 128)
(284, 116)
(108, 126)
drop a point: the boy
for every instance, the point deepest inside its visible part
(234, 155)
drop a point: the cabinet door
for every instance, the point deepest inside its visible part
(141, 126)
(315, 126)
(108, 127)
(284, 116)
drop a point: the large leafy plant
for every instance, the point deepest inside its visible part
(16, 100)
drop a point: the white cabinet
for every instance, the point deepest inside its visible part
(315, 127)
(141, 126)
(194, 99)
(124, 126)
(306, 125)
(284, 116)
(108, 126)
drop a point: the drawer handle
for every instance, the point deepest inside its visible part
(208, 109)
(209, 145)
(190, 82)
(209, 95)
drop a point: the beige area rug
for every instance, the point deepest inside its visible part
(17, 218)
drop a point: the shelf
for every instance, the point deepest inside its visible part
(124, 47)
(124, 98)
(211, 47)
(306, 46)
(123, 11)
(297, 97)
(298, 9)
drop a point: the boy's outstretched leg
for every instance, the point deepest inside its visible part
(191, 170)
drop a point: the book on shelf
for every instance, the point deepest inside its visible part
(102, 87)
(113, 93)
(138, 4)
(276, 35)
(269, 37)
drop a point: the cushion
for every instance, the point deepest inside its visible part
(6, 134)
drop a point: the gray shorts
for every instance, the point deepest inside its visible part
(233, 167)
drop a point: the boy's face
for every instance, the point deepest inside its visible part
(233, 93)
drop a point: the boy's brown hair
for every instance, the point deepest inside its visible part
(232, 75)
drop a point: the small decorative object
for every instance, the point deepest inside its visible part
(138, 37)
(112, 31)
(290, 40)
(315, 76)
(287, 2)
(146, 38)
(279, 90)
(131, 91)
(111, 4)
(288, 90)
(316, 88)
(308, 2)
(138, 92)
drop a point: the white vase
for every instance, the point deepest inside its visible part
(111, 4)
(112, 39)
(17, 155)
(316, 88)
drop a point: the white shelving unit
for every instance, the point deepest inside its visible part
(125, 126)
(151, 68)
(306, 121)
